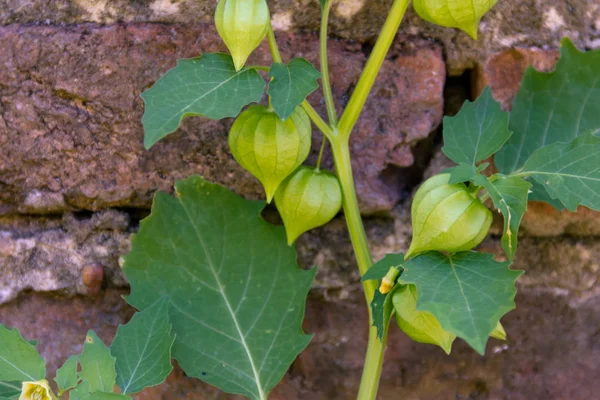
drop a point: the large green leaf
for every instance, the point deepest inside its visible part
(66, 376)
(236, 294)
(19, 360)
(509, 195)
(208, 85)
(81, 391)
(467, 292)
(477, 131)
(569, 172)
(10, 390)
(291, 84)
(97, 365)
(553, 107)
(142, 349)
(105, 396)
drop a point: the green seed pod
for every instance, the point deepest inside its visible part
(499, 332)
(269, 148)
(309, 198)
(462, 14)
(242, 25)
(447, 217)
(420, 326)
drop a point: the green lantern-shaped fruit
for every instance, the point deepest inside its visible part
(462, 14)
(420, 326)
(309, 198)
(447, 217)
(269, 148)
(242, 24)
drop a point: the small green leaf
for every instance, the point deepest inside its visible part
(66, 376)
(462, 173)
(142, 349)
(10, 390)
(467, 292)
(570, 172)
(207, 85)
(477, 131)
(291, 84)
(463, 14)
(381, 309)
(381, 268)
(509, 195)
(553, 107)
(19, 360)
(105, 396)
(420, 326)
(236, 294)
(97, 365)
(80, 392)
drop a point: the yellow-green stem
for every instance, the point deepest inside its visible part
(321, 151)
(331, 112)
(367, 78)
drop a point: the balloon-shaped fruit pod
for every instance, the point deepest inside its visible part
(447, 217)
(309, 198)
(242, 24)
(269, 148)
(420, 326)
(462, 14)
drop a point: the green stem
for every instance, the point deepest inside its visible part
(312, 113)
(367, 78)
(323, 144)
(331, 113)
(374, 357)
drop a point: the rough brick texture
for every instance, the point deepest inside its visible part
(75, 180)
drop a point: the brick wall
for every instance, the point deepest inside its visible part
(75, 181)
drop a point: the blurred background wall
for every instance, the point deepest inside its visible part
(75, 181)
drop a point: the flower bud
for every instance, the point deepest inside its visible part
(420, 326)
(447, 217)
(309, 198)
(39, 390)
(462, 14)
(242, 24)
(269, 148)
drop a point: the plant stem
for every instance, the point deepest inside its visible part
(331, 112)
(323, 144)
(374, 357)
(312, 113)
(367, 78)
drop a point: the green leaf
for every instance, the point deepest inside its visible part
(323, 3)
(291, 84)
(553, 107)
(207, 85)
(142, 349)
(477, 131)
(570, 172)
(19, 360)
(420, 326)
(463, 14)
(236, 294)
(467, 292)
(66, 376)
(80, 392)
(97, 365)
(381, 308)
(381, 268)
(10, 390)
(509, 195)
(462, 173)
(105, 396)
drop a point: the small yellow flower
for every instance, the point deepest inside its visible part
(39, 390)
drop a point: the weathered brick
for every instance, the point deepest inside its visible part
(70, 114)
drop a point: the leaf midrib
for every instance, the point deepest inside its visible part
(261, 393)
